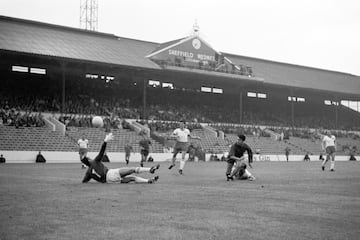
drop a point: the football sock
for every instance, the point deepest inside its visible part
(248, 173)
(182, 164)
(142, 169)
(140, 180)
(332, 165)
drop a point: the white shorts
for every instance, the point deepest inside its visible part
(113, 176)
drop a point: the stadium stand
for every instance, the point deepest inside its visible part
(122, 136)
(90, 73)
(33, 139)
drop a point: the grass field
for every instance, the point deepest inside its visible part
(287, 201)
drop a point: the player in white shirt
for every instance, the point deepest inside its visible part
(83, 144)
(182, 136)
(328, 145)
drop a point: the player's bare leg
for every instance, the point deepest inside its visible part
(82, 156)
(136, 179)
(126, 177)
(143, 159)
(127, 158)
(127, 171)
(230, 164)
(332, 164)
(182, 163)
(173, 160)
(325, 161)
(247, 176)
(239, 170)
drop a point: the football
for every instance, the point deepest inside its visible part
(97, 122)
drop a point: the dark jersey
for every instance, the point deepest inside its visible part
(128, 149)
(145, 144)
(96, 169)
(238, 150)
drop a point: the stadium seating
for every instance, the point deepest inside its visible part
(178, 107)
(121, 137)
(33, 139)
(265, 145)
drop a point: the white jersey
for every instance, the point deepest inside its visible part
(83, 143)
(329, 141)
(181, 135)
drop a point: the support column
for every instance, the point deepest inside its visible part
(292, 109)
(144, 99)
(241, 107)
(336, 113)
(63, 95)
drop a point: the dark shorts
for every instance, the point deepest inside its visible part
(144, 152)
(127, 154)
(181, 147)
(83, 151)
(330, 150)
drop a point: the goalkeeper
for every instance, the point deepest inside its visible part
(100, 173)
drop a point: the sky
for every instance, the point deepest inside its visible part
(316, 33)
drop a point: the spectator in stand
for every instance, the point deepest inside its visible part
(307, 157)
(2, 159)
(282, 136)
(287, 152)
(40, 158)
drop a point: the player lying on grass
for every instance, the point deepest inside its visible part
(236, 155)
(99, 172)
(240, 172)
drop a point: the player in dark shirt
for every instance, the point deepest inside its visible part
(236, 155)
(128, 148)
(100, 173)
(144, 148)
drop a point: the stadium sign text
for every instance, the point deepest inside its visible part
(190, 55)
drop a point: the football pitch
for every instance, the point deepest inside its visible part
(294, 200)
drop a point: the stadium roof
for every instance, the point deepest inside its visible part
(58, 41)
(300, 76)
(30, 37)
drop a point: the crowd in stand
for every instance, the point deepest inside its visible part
(33, 103)
(175, 113)
(85, 121)
(236, 129)
(125, 108)
(12, 117)
(164, 126)
(307, 133)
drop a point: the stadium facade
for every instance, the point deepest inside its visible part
(57, 58)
